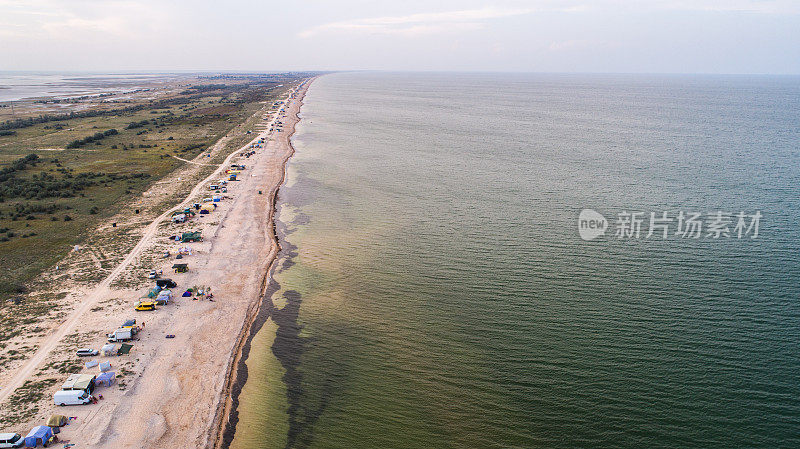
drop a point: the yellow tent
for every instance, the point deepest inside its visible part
(57, 421)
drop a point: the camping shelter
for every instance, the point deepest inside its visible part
(38, 435)
(57, 421)
(191, 236)
(108, 350)
(124, 349)
(180, 267)
(83, 382)
(164, 297)
(107, 379)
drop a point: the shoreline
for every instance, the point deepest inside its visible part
(226, 418)
(194, 371)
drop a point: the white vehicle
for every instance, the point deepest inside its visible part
(121, 334)
(11, 440)
(71, 397)
(86, 352)
(213, 187)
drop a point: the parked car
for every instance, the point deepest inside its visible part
(11, 440)
(144, 306)
(166, 283)
(86, 352)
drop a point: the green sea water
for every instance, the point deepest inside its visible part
(433, 291)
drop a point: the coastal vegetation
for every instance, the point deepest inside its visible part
(62, 174)
(77, 143)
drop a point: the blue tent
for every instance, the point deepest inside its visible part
(38, 435)
(106, 378)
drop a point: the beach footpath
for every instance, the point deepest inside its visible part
(210, 256)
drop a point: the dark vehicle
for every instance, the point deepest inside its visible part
(166, 283)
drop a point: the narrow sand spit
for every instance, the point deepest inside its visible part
(176, 394)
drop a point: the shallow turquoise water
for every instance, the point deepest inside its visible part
(435, 293)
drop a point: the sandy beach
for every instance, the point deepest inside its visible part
(175, 389)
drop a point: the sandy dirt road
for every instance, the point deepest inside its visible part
(175, 395)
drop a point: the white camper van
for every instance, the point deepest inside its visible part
(71, 397)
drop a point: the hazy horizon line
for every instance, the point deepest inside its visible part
(323, 71)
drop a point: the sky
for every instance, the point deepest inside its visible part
(655, 36)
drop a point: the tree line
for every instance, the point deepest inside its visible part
(93, 138)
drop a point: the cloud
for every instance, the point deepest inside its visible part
(79, 19)
(472, 19)
(417, 24)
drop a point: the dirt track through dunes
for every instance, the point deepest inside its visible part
(173, 399)
(102, 290)
(191, 162)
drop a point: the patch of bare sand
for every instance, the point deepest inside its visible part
(171, 388)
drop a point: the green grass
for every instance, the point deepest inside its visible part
(22, 404)
(183, 125)
(32, 243)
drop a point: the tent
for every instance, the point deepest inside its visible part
(124, 349)
(38, 435)
(180, 267)
(107, 379)
(91, 364)
(108, 350)
(104, 367)
(79, 382)
(191, 236)
(164, 297)
(187, 294)
(57, 421)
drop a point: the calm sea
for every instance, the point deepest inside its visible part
(434, 291)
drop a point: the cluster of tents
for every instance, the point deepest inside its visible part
(46, 434)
